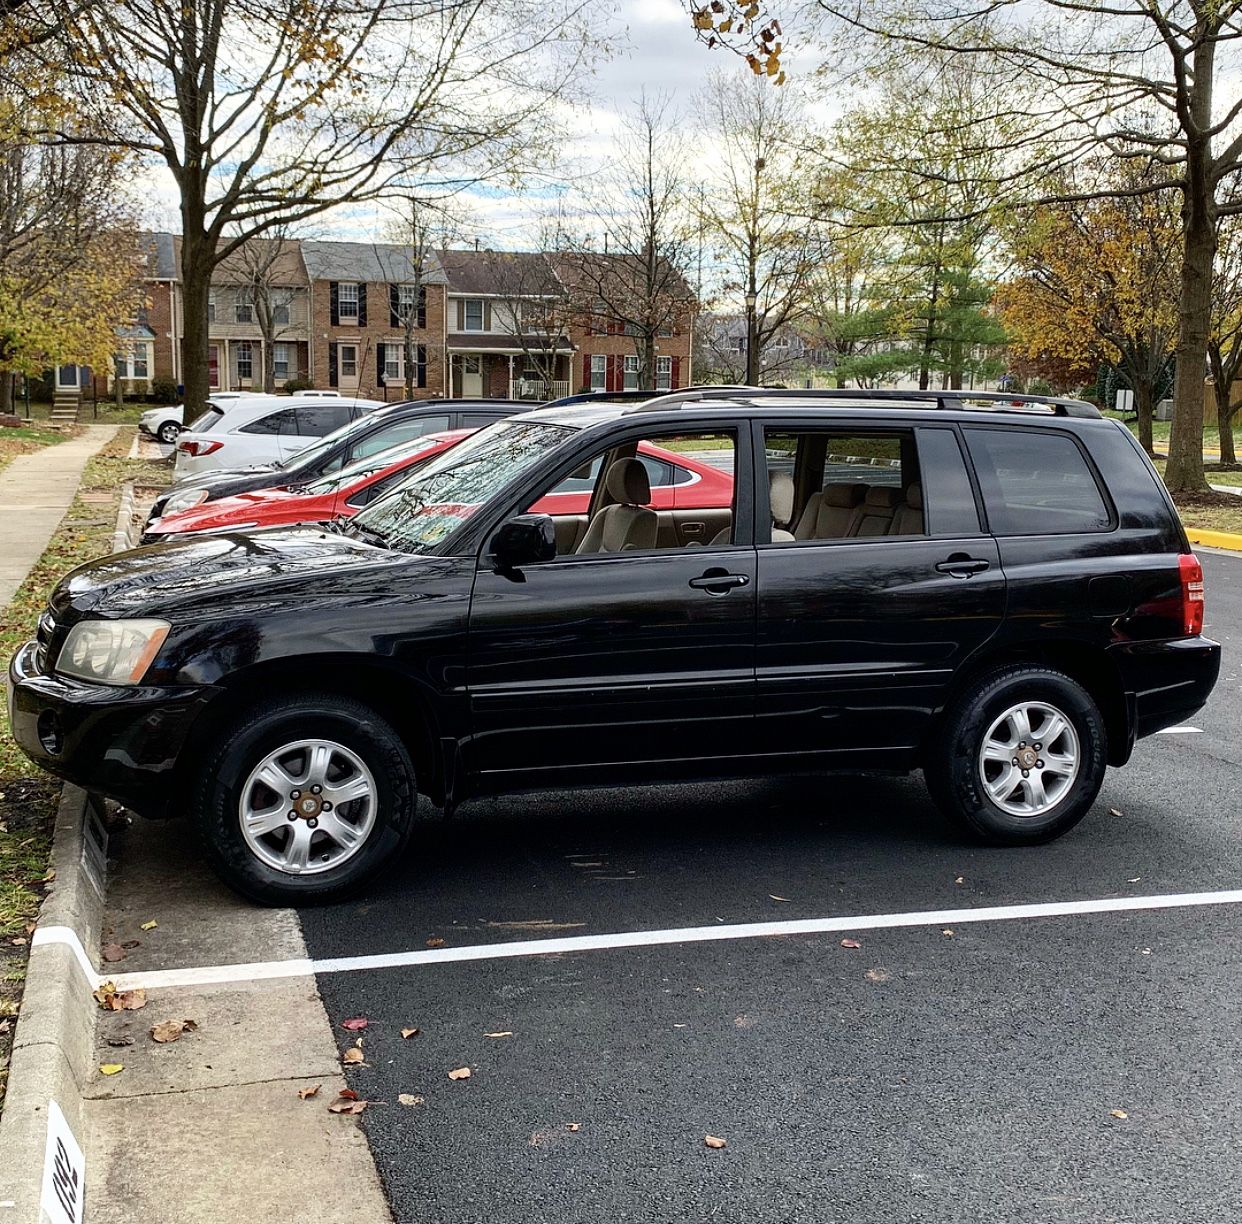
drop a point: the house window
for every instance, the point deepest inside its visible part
(474, 314)
(245, 361)
(211, 307)
(394, 361)
(347, 301)
(133, 363)
(407, 300)
(664, 373)
(280, 361)
(244, 310)
(349, 360)
(599, 372)
(631, 373)
(280, 314)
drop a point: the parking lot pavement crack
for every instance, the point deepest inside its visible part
(192, 1088)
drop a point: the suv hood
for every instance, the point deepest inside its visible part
(210, 573)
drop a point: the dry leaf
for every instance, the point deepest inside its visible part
(460, 1074)
(105, 994)
(355, 1025)
(149, 926)
(130, 1000)
(307, 1093)
(352, 1055)
(113, 952)
(1118, 1113)
(435, 942)
(573, 1126)
(130, 944)
(947, 931)
(776, 898)
(681, 1026)
(504, 1034)
(111, 1068)
(850, 943)
(1114, 811)
(116, 1041)
(960, 880)
(171, 1030)
(347, 1105)
(347, 1094)
(408, 1098)
(407, 1033)
(713, 1142)
(877, 975)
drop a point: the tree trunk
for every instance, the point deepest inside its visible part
(1224, 424)
(197, 264)
(1144, 402)
(7, 391)
(647, 374)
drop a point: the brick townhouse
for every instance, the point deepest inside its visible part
(480, 323)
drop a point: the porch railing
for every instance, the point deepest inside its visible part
(536, 388)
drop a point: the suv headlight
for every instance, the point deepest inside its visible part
(111, 651)
(187, 499)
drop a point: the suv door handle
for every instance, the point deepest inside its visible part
(718, 582)
(961, 566)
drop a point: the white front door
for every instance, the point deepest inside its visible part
(472, 378)
(347, 355)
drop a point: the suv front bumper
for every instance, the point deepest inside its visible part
(120, 742)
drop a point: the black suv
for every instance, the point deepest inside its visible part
(994, 589)
(365, 435)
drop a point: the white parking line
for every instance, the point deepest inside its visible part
(1181, 731)
(214, 975)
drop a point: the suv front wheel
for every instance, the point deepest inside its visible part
(1020, 756)
(306, 800)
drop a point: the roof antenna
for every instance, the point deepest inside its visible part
(476, 246)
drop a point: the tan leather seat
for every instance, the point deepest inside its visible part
(827, 515)
(781, 504)
(626, 523)
(875, 516)
(908, 517)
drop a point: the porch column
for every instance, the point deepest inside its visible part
(511, 375)
(226, 374)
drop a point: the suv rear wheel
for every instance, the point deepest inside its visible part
(1020, 757)
(306, 800)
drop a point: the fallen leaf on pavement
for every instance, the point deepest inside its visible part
(347, 1094)
(713, 1141)
(460, 1074)
(960, 880)
(307, 1093)
(1118, 1113)
(171, 1030)
(776, 898)
(5, 1025)
(1114, 811)
(408, 1098)
(947, 931)
(877, 975)
(407, 1033)
(119, 1041)
(435, 942)
(1135, 880)
(149, 926)
(355, 1025)
(113, 952)
(346, 1105)
(130, 944)
(850, 943)
(504, 1034)
(352, 1055)
(111, 1068)
(131, 1000)
(573, 1126)
(681, 1026)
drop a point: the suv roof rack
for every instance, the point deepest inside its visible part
(949, 400)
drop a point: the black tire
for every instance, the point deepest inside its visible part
(952, 768)
(169, 432)
(261, 730)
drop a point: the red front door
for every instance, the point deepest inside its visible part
(213, 365)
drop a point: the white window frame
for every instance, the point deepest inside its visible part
(350, 371)
(280, 360)
(630, 372)
(344, 299)
(465, 314)
(137, 357)
(244, 352)
(599, 372)
(664, 374)
(243, 308)
(407, 300)
(394, 363)
(211, 306)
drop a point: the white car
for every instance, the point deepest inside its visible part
(261, 429)
(163, 423)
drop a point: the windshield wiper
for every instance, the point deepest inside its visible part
(343, 525)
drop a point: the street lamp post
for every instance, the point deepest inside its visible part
(752, 339)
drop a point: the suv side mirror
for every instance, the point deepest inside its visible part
(524, 540)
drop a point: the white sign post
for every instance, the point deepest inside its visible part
(63, 1200)
(1125, 400)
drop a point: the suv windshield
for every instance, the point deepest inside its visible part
(450, 489)
(371, 464)
(311, 454)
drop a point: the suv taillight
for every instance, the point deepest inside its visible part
(198, 449)
(1192, 594)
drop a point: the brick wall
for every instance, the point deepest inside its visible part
(615, 348)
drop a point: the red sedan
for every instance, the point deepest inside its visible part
(678, 482)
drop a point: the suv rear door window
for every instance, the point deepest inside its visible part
(1036, 482)
(283, 420)
(395, 434)
(320, 418)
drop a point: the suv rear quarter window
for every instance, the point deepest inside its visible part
(1036, 482)
(283, 420)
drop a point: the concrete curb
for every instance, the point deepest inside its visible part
(1214, 539)
(53, 1048)
(122, 538)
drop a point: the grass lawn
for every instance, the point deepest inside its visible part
(28, 796)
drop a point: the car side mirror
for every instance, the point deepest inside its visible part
(524, 540)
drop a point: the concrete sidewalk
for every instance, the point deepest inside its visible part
(35, 492)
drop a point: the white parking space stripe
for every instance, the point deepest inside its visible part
(1181, 731)
(266, 970)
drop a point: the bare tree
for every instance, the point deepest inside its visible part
(1225, 338)
(269, 269)
(267, 114)
(627, 273)
(529, 292)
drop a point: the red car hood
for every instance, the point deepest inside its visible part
(264, 507)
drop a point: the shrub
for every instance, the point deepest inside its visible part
(297, 384)
(164, 391)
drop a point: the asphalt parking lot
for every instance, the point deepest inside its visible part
(935, 1073)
